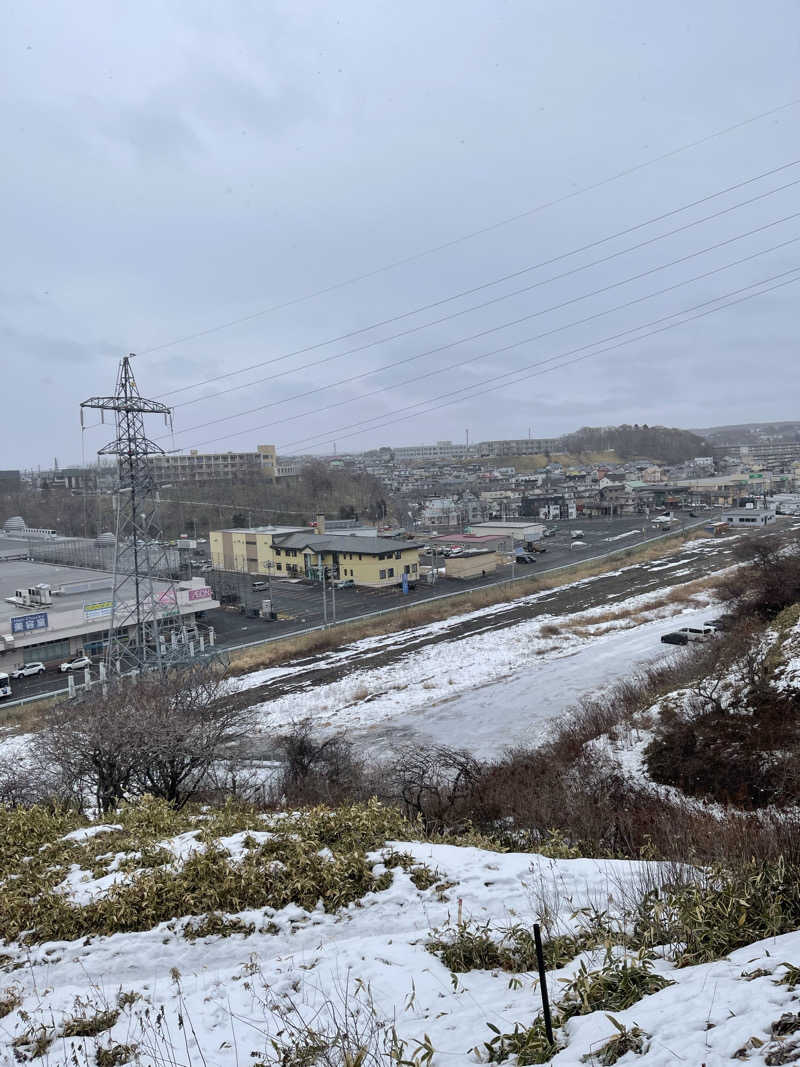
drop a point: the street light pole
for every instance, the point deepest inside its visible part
(324, 597)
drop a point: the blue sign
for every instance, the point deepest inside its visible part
(405, 582)
(24, 624)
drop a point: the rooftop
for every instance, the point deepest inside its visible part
(370, 546)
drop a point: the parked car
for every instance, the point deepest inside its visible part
(523, 557)
(28, 670)
(724, 622)
(348, 583)
(76, 664)
(675, 638)
(538, 548)
(578, 544)
(257, 586)
(687, 634)
(576, 534)
(697, 633)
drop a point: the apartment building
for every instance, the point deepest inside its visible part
(214, 466)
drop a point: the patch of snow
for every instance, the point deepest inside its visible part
(222, 987)
(85, 832)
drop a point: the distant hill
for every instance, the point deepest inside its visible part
(664, 443)
(751, 432)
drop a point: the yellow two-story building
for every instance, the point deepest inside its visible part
(289, 552)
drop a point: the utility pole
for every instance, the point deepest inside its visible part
(333, 593)
(324, 596)
(135, 641)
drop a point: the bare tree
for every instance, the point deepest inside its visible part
(191, 718)
(155, 733)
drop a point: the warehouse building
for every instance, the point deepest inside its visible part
(748, 517)
(51, 613)
(522, 532)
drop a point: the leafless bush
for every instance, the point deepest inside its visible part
(317, 770)
(437, 783)
(769, 581)
(155, 733)
(24, 781)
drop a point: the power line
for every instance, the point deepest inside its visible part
(483, 388)
(503, 326)
(478, 232)
(496, 281)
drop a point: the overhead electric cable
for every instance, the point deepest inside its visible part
(479, 232)
(497, 281)
(569, 352)
(534, 374)
(514, 322)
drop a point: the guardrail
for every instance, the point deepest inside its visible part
(527, 577)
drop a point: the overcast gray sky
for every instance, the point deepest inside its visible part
(173, 166)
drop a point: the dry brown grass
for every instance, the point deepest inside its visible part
(27, 718)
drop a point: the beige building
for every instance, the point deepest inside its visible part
(291, 552)
(197, 466)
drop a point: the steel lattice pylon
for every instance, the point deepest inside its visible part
(144, 597)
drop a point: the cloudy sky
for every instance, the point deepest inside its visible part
(173, 167)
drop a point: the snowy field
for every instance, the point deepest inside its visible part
(489, 690)
(219, 998)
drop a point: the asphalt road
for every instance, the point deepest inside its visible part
(299, 604)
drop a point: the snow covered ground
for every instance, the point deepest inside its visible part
(488, 690)
(220, 999)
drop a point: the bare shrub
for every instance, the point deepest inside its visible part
(317, 770)
(735, 738)
(769, 581)
(435, 783)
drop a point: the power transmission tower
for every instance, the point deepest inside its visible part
(144, 598)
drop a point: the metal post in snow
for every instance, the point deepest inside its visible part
(70, 686)
(87, 677)
(548, 1025)
(211, 636)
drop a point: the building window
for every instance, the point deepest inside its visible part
(383, 574)
(413, 568)
(390, 572)
(397, 555)
(278, 566)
